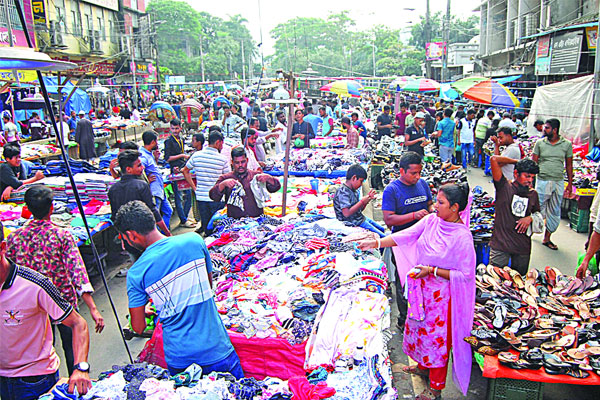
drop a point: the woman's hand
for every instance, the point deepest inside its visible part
(424, 272)
(367, 244)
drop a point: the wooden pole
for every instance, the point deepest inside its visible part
(288, 143)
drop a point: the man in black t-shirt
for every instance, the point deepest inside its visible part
(125, 113)
(384, 123)
(12, 172)
(517, 206)
(414, 135)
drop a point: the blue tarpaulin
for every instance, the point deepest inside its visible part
(79, 101)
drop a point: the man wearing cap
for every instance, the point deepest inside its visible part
(414, 135)
(84, 136)
(507, 122)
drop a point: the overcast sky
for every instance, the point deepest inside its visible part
(366, 13)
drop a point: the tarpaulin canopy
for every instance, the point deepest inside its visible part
(570, 102)
(80, 101)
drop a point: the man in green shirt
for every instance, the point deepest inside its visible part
(554, 155)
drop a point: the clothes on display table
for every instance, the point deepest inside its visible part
(308, 160)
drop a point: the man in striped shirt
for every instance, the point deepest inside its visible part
(207, 165)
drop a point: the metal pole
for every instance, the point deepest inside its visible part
(445, 77)
(133, 66)
(243, 65)
(427, 40)
(202, 59)
(596, 96)
(288, 143)
(9, 31)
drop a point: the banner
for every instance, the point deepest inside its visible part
(24, 76)
(542, 56)
(435, 50)
(566, 52)
(591, 33)
(39, 11)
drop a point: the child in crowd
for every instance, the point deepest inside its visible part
(346, 203)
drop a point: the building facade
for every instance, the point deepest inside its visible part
(553, 39)
(461, 58)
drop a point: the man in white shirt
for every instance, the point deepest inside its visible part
(65, 128)
(466, 138)
(281, 129)
(261, 154)
(207, 165)
(11, 133)
(507, 122)
(510, 155)
(230, 122)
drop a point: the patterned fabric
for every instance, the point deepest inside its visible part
(425, 341)
(50, 250)
(352, 137)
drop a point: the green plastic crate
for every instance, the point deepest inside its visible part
(580, 220)
(514, 389)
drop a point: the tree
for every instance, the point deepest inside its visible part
(461, 31)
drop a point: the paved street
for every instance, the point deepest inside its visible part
(107, 348)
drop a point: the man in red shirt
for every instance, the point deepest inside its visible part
(401, 119)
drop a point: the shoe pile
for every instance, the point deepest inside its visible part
(546, 319)
(483, 209)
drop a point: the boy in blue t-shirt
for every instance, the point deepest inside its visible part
(405, 202)
(346, 203)
(175, 272)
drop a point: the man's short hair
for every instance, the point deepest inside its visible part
(299, 111)
(246, 133)
(506, 115)
(135, 216)
(38, 199)
(505, 130)
(256, 109)
(470, 111)
(538, 122)
(175, 122)
(309, 110)
(354, 114)
(129, 145)
(386, 108)
(148, 137)
(412, 107)
(280, 112)
(253, 121)
(225, 105)
(238, 152)
(527, 165)
(346, 120)
(491, 114)
(214, 137)
(11, 151)
(356, 170)
(127, 159)
(554, 123)
(410, 158)
(214, 128)
(448, 112)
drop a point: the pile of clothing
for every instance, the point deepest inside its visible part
(145, 381)
(30, 150)
(545, 319)
(59, 168)
(311, 160)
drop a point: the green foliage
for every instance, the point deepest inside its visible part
(184, 30)
(461, 31)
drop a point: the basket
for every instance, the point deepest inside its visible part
(514, 389)
(580, 220)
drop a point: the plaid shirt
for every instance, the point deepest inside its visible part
(52, 251)
(352, 137)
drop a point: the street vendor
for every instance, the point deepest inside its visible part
(244, 189)
(176, 274)
(12, 172)
(517, 214)
(414, 136)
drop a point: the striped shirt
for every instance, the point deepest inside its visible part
(207, 164)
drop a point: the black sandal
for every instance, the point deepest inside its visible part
(550, 245)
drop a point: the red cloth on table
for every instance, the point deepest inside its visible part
(303, 390)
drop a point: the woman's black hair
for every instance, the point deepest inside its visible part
(456, 193)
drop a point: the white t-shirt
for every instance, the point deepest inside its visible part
(280, 142)
(11, 132)
(466, 131)
(507, 123)
(65, 128)
(511, 151)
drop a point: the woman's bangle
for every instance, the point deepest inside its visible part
(378, 242)
(435, 272)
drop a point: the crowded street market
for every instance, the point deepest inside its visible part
(295, 235)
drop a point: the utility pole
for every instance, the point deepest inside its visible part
(133, 66)
(445, 76)
(595, 108)
(374, 70)
(202, 58)
(427, 40)
(243, 65)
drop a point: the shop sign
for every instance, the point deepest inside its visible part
(110, 4)
(542, 56)
(39, 11)
(86, 66)
(591, 33)
(175, 79)
(24, 76)
(435, 50)
(566, 52)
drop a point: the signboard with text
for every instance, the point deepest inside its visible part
(110, 4)
(38, 7)
(542, 56)
(435, 50)
(566, 52)
(90, 66)
(18, 36)
(591, 33)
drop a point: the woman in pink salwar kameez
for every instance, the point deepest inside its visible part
(441, 293)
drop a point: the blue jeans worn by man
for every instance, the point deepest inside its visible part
(467, 149)
(164, 207)
(183, 210)
(207, 209)
(27, 387)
